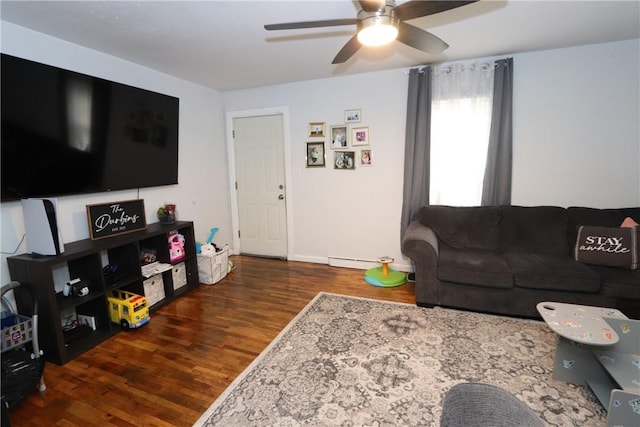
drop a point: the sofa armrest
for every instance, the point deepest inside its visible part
(417, 233)
(420, 243)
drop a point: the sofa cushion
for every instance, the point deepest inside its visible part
(551, 272)
(464, 227)
(600, 217)
(618, 282)
(540, 229)
(610, 246)
(473, 267)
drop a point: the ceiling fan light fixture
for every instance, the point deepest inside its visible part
(377, 30)
(379, 22)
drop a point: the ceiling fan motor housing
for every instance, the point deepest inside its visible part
(383, 16)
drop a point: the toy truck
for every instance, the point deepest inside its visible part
(127, 309)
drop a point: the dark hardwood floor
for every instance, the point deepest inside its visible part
(169, 372)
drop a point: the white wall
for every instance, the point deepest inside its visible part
(577, 126)
(342, 213)
(202, 193)
(576, 142)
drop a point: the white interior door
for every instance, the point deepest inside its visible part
(260, 185)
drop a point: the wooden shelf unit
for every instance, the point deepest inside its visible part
(85, 259)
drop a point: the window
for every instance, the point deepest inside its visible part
(460, 123)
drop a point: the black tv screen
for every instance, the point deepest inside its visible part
(68, 133)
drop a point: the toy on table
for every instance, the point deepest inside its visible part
(384, 276)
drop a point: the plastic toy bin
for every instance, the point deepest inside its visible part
(212, 269)
(16, 330)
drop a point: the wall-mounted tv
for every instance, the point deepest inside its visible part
(68, 133)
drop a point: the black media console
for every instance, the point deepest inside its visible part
(86, 260)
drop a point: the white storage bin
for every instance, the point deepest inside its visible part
(179, 276)
(154, 289)
(212, 269)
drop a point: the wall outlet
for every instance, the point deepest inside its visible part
(87, 320)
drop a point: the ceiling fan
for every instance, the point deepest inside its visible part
(380, 22)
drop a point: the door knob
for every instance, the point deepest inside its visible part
(281, 197)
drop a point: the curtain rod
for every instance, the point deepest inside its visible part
(471, 67)
(465, 67)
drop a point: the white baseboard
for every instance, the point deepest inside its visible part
(360, 264)
(306, 258)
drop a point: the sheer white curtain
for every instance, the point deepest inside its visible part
(460, 124)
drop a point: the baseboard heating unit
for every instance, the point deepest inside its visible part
(362, 264)
(365, 264)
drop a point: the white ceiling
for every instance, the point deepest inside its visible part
(223, 44)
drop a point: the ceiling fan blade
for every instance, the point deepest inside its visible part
(371, 5)
(347, 50)
(420, 39)
(418, 8)
(311, 24)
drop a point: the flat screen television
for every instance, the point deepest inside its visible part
(69, 133)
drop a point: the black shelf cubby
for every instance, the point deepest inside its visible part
(122, 265)
(135, 287)
(159, 244)
(87, 269)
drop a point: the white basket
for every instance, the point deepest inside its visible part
(212, 269)
(179, 276)
(154, 289)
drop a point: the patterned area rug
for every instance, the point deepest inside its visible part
(346, 361)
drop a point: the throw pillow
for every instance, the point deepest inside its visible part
(609, 246)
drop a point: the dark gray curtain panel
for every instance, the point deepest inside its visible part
(417, 146)
(496, 188)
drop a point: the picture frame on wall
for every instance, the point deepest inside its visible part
(316, 129)
(359, 136)
(315, 155)
(365, 158)
(344, 159)
(353, 116)
(339, 137)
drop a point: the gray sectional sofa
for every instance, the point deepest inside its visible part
(506, 259)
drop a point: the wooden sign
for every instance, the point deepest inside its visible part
(112, 219)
